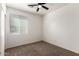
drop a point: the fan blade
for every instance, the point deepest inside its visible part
(33, 5)
(45, 7)
(41, 3)
(37, 9)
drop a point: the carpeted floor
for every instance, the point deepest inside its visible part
(38, 49)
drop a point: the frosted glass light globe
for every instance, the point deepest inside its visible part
(39, 6)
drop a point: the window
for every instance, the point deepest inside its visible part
(18, 24)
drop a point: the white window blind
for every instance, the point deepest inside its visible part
(18, 24)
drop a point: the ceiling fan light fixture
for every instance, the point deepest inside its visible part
(39, 6)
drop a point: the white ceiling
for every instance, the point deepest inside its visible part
(25, 7)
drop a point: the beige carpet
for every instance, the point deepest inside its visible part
(38, 49)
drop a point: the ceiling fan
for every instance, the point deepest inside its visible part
(39, 5)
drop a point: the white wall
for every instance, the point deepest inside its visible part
(34, 29)
(0, 27)
(61, 27)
